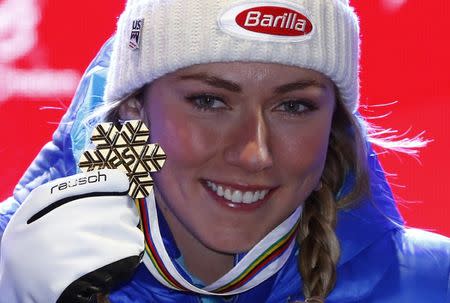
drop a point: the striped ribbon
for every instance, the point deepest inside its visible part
(259, 264)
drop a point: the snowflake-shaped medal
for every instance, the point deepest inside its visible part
(128, 151)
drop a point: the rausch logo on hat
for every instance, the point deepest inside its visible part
(277, 21)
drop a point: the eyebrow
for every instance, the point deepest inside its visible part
(299, 85)
(234, 87)
(213, 81)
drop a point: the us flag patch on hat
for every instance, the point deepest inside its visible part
(135, 35)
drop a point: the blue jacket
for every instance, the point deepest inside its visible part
(381, 260)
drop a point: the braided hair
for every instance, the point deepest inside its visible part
(319, 246)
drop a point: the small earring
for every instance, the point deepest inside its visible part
(319, 186)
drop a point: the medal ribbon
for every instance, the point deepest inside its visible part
(259, 264)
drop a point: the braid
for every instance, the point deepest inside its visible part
(320, 247)
(319, 252)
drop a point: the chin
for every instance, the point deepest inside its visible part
(230, 245)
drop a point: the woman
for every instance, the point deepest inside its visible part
(254, 104)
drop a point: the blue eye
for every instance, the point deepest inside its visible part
(206, 102)
(295, 107)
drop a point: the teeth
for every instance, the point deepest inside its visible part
(248, 197)
(237, 196)
(227, 194)
(255, 196)
(219, 191)
(263, 193)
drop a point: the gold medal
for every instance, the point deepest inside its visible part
(125, 149)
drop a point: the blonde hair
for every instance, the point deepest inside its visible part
(346, 160)
(320, 249)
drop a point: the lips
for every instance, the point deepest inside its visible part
(241, 195)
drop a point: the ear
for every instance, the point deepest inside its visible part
(131, 109)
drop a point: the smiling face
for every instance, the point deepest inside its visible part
(246, 144)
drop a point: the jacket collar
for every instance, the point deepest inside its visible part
(359, 226)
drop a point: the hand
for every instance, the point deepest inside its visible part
(71, 239)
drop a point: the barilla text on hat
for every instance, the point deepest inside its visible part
(281, 21)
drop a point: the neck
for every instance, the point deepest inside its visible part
(202, 262)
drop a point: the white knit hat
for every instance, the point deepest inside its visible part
(156, 37)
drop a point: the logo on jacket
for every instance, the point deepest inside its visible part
(267, 21)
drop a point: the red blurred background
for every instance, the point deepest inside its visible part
(45, 46)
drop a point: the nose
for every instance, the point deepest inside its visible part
(249, 146)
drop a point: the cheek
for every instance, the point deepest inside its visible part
(302, 152)
(186, 144)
